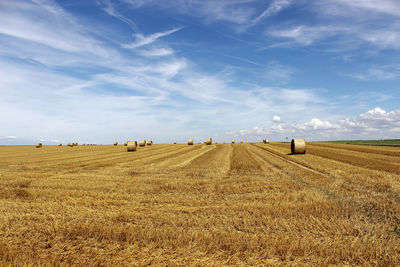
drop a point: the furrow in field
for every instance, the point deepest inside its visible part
(242, 161)
(362, 155)
(171, 159)
(218, 158)
(148, 155)
(353, 158)
(360, 182)
(182, 162)
(39, 158)
(374, 206)
(388, 151)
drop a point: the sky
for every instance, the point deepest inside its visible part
(99, 71)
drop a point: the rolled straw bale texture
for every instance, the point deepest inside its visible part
(175, 143)
(59, 144)
(70, 144)
(190, 142)
(39, 145)
(208, 141)
(115, 143)
(298, 146)
(75, 144)
(142, 143)
(131, 146)
(233, 141)
(149, 143)
(266, 141)
(126, 143)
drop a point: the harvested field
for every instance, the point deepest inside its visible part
(219, 204)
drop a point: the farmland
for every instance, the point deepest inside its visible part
(221, 204)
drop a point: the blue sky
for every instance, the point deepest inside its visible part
(99, 71)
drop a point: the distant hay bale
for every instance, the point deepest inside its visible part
(241, 142)
(39, 145)
(59, 144)
(131, 146)
(142, 143)
(115, 143)
(208, 141)
(175, 143)
(70, 144)
(233, 141)
(126, 143)
(75, 144)
(149, 143)
(190, 142)
(298, 146)
(266, 141)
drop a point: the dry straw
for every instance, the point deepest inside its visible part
(59, 144)
(126, 143)
(175, 143)
(39, 145)
(208, 141)
(149, 143)
(142, 143)
(298, 146)
(190, 142)
(266, 141)
(115, 143)
(233, 141)
(131, 146)
(70, 144)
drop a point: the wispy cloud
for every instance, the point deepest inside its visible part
(378, 73)
(142, 40)
(156, 52)
(275, 7)
(110, 9)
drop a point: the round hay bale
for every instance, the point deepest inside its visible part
(39, 145)
(149, 143)
(142, 143)
(59, 144)
(131, 146)
(266, 141)
(175, 143)
(233, 141)
(70, 144)
(298, 146)
(75, 144)
(115, 143)
(241, 142)
(126, 143)
(208, 141)
(190, 142)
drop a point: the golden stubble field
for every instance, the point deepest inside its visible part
(224, 204)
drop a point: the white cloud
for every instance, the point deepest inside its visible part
(276, 118)
(11, 137)
(142, 40)
(373, 124)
